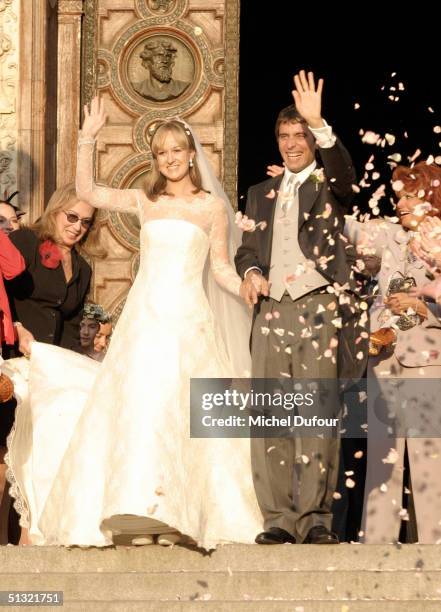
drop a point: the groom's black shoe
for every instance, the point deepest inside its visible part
(275, 535)
(320, 535)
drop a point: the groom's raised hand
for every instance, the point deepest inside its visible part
(308, 98)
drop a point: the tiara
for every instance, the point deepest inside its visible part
(151, 131)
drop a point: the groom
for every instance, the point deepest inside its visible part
(300, 330)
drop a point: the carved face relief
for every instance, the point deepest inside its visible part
(169, 65)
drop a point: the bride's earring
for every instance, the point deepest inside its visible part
(190, 163)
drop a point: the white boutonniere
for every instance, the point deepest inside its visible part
(317, 177)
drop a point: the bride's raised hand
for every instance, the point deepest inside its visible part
(94, 119)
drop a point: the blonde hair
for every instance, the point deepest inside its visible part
(46, 226)
(156, 183)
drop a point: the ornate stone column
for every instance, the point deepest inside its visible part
(69, 87)
(9, 41)
(36, 173)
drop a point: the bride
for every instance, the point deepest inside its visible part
(95, 445)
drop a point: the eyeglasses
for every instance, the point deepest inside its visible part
(74, 218)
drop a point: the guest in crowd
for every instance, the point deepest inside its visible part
(94, 317)
(427, 246)
(47, 298)
(9, 215)
(405, 344)
(102, 339)
(11, 265)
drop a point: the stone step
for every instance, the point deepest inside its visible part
(228, 558)
(234, 586)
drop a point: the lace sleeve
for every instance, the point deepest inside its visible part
(219, 260)
(127, 200)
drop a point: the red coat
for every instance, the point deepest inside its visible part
(11, 265)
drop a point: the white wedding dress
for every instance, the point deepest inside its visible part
(94, 443)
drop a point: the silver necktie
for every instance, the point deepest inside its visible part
(289, 194)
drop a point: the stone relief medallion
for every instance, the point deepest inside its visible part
(161, 68)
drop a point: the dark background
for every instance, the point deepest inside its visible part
(356, 59)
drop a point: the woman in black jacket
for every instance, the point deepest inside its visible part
(47, 299)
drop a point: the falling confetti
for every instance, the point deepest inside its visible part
(403, 514)
(392, 456)
(328, 211)
(370, 137)
(414, 156)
